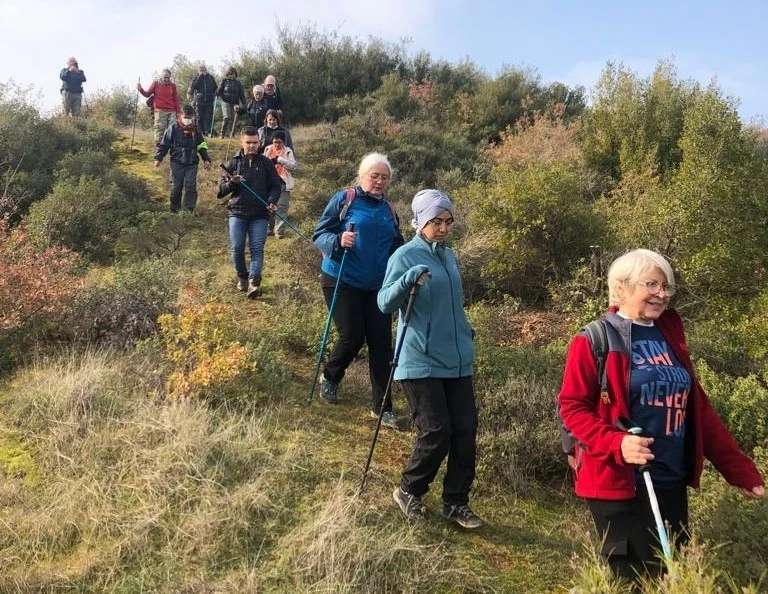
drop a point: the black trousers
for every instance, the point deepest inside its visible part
(359, 320)
(628, 531)
(445, 416)
(183, 177)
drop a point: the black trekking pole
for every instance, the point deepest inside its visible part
(388, 391)
(630, 427)
(135, 113)
(327, 328)
(265, 203)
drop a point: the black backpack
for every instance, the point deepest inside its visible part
(597, 334)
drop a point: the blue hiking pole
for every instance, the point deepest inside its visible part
(388, 390)
(265, 203)
(630, 427)
(328, 321)
(213, 114)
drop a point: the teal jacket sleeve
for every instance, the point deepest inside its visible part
(398, 280)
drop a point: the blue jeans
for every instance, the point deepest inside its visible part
(256, 230)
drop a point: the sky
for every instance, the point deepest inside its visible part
(570, 41)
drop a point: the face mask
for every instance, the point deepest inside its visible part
(186, 121)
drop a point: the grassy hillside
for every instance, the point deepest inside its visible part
(113, 488)
(112, 484)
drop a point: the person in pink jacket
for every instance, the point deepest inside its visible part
(650, 379)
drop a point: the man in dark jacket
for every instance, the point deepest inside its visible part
(72, 79)
(202, 92)
(255, 186)
(184, 140)
(272, 96)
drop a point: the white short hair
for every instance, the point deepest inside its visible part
(369, 162)
(628, 268)
(259, 88)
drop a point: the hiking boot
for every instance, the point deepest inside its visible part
(254, 289)
(410, 505)
(388, 419)
(462, 515)
(329, 391)
(242, 284)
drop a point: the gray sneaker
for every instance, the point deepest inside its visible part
(462, 515)
(329, 391)
(254, 289)
(388, 419)
(410, 505)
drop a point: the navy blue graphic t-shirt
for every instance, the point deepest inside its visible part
(658, 394)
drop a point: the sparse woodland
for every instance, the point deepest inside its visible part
(154, 431)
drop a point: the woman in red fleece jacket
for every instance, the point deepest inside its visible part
(166, 105)
(650, 380)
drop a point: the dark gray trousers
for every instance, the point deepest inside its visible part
(183, 177)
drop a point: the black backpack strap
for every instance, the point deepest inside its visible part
(597, 334)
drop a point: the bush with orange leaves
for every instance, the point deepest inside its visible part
(208, 361)
(35, 284)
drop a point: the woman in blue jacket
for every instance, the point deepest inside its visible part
(435, 367)
(356, 314)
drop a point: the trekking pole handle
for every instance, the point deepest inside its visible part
(632, 428)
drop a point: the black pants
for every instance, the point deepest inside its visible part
(628, 530)
(445, 416)
(204, 116)
(359, 320)
(183, 177)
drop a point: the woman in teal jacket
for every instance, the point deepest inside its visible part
(435, 366)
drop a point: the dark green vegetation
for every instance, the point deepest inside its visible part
(154, 435)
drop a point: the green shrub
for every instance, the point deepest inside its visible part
(89, 162)
(31, 147)
(742, 402)
(115, 107)
(516, 385)
(154, 233)
(736, 525)
(87, 214)
(538, 221)
(126, 308)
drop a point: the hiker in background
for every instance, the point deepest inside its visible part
(72, 79)
(272, 125)
(646, 355)
(272, 95)
(232, 97)
(184, 141)
(356, 315)
(248, 214)
(435, 367)
(202, 92)
(256, 108)
(282, 156)
(165, 101)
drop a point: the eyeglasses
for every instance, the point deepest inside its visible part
(379, 176)
(438, 222)
(655, 287)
